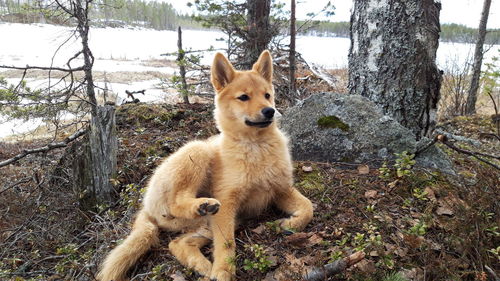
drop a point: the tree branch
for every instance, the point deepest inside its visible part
(476, 155)
(46, 148)
(43, 68)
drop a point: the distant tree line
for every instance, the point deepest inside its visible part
(115, 13)
(161, 16)
(450, 32)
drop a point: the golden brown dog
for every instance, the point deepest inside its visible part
(241, 171)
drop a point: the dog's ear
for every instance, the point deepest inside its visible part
(264, 66)
(222, 72)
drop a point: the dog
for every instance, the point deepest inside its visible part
(205, 186)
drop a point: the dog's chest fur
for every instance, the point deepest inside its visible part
(261, 170)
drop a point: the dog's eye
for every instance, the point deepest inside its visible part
(267, 95)
(243, 97)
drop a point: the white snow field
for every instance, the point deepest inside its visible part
(125, 49)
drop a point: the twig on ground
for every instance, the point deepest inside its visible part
(458, 138)
(322, 273)
(25, 180)
(492, 273)
(476, 155)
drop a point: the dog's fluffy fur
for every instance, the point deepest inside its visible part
(202, 188)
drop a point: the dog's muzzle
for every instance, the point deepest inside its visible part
(267, 114)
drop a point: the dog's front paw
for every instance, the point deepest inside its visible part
(208, 206)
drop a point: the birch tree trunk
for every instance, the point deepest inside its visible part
(392, 59)
(470, 107)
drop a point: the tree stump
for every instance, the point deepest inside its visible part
(95, 164)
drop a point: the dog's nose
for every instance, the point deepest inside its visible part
(268, 112)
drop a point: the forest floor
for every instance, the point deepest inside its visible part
(421, 226)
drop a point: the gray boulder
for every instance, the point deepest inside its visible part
(330, 127)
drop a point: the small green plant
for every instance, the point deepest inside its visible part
(385, 172)
(260, 260)
(335, 255)
(404, 164)
(495, 252)
(418, 229)
(370, 208)
(402, 167)
(420, 194)
(70, 259)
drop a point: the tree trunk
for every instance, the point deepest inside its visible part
(102, 140)
(470, 107)
(258, 30)
(293, 90)
(182, 66)
(103, 148)
(95, 163)
(392, 59)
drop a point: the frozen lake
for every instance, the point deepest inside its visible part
(39, 42)
(124, 49)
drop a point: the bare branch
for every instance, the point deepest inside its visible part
(46, 148)
(24, 180)
(27, 67)
(476, 155)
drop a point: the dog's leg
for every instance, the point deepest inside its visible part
(184, 174)
(189, 207)
(223, 225)
(298, 206)
(186, 249)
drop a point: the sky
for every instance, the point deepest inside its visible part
(466, 12)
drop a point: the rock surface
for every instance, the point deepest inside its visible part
(332, 127)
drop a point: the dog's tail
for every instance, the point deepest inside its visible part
(143, 236)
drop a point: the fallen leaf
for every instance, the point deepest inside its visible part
(414, 241)
(298, 239)
(430, 194)
(259, 229)
(366, 266)
(363, 169)
(444, 211)
(370, 194)
(315, 239)
(401, 252)
(296, 265)
(307, 169)
(302, 239)
(392, 185)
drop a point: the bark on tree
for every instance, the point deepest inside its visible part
(470, 107)
(392, 59)
(292, 50)
(94, 164)
(258, 30)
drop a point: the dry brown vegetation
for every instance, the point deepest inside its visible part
(424, 225)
